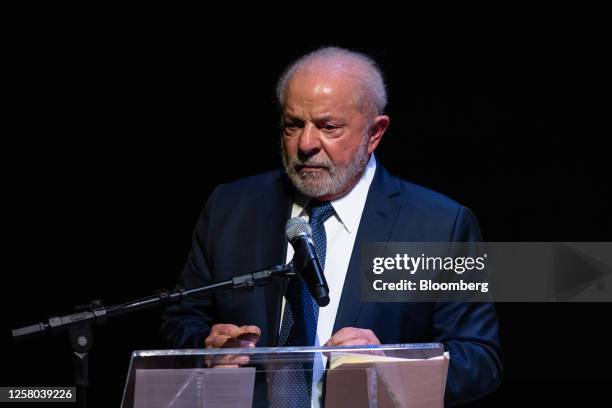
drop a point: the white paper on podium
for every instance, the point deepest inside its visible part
(194, 388)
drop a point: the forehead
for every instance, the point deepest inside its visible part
(316, 93)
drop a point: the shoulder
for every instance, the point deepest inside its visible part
(428, 214)
(252, 185)
(414, 195)
(233, 205)
(424, 198)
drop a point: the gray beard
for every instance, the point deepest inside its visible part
(332, 180)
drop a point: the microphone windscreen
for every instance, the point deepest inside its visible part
(297, 226)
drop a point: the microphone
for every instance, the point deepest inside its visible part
(305, 261)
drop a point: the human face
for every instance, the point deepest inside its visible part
(327, 140)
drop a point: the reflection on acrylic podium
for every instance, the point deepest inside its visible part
(398, 375)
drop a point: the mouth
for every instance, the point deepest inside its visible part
(309, 169)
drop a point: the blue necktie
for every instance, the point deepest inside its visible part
(293, 386)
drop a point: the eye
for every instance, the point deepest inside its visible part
(331, 129)
(291, 126)
(289, 129)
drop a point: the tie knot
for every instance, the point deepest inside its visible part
(320, 211)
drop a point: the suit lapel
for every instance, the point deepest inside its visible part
(376, 225)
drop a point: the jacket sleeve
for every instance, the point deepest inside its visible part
(469, 332)
(188, 323)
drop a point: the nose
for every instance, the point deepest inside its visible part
(309, 142)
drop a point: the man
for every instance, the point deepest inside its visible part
(332, 103)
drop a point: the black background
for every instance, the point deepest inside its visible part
(126, 117)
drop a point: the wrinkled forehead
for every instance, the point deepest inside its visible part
(320, 91)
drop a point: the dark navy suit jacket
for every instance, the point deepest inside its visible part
(242, 229)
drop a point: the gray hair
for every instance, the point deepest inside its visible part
(372, 94)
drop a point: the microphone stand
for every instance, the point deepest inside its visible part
(79, 324)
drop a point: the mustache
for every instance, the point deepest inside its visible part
(298, 162)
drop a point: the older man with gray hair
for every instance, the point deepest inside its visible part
(332, 105)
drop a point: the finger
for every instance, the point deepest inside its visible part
(249, 338)
(232, 359)
(352, 333)
(239, 343)
(225, 329)
(332, 339)
(216, 341)
(355, 342)
(343, 335)
(222, 333)
(235, 331)
(251, 330)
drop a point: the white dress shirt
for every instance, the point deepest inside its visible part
(341, 231)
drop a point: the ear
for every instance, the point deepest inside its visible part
(377, 130)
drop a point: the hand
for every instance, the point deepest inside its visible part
(353, 336)
(229, 335)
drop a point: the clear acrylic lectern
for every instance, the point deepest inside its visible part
(397, 375)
